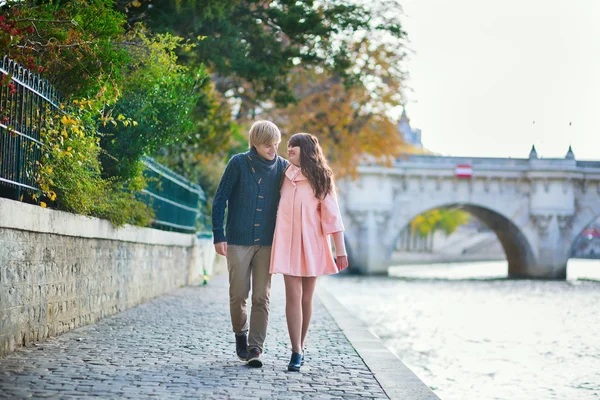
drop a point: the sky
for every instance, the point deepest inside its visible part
(490, 78)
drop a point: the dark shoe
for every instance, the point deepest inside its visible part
(253, 359)
(295, 362)
(302, 361)
(241, 346)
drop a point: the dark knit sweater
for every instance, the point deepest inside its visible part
(249, 189)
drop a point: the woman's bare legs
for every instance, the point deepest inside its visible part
(293, 310)
(308, 289)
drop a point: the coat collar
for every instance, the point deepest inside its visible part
(295, 174)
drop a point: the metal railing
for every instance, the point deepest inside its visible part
(175, 200)
(25, 100)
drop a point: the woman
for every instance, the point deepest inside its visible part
(308, 213)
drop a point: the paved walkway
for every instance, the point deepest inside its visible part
(181, 346)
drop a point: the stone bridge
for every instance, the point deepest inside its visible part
(537, 207)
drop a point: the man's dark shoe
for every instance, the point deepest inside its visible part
(241, 346)
(254, 358)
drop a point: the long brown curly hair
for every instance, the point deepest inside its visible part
(314, 164)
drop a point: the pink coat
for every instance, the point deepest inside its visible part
(301, 242)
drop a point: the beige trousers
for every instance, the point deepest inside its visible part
(248, 264)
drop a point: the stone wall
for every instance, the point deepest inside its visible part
(59, 271)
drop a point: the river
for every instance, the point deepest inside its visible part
(469, 333)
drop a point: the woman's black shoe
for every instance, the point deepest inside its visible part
(295, 362)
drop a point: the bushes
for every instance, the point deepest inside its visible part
(69, 171)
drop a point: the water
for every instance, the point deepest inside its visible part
(469, 334)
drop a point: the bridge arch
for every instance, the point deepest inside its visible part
(583, 221)
(517, 247)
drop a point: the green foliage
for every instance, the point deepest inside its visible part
(69, 171)
(83, 49)
(137, 99)
(159, 95)
(445, 220)
(252, 45)
(71, 43)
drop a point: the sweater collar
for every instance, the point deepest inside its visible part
(261, 167)
(258, 160)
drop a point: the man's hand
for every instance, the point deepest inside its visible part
(221, 248)
(342, 262)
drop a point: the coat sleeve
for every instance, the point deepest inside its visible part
(331, 218)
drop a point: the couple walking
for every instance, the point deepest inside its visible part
(279, 217)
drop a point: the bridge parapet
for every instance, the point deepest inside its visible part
(491, 167)
(589, 165)
(451, 160)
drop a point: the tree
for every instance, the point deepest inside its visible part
(159, 95)
(445, 220)
(70, 43)
(351, 119)
(252, 46)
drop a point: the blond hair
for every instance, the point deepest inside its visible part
(263, 132)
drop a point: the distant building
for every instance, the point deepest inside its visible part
(410, 135)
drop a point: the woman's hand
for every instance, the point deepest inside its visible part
(342, 262)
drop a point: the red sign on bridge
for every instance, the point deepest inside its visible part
(464, 171)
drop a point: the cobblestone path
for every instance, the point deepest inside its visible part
(181, 346)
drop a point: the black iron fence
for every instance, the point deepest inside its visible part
(25, 99)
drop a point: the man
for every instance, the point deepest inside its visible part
(249, 189)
